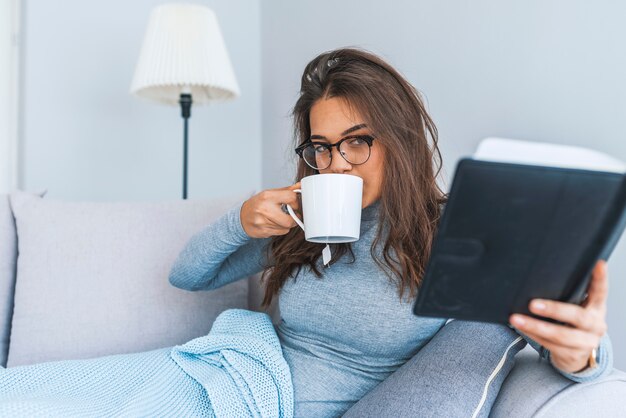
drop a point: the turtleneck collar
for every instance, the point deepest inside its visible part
(370, 212)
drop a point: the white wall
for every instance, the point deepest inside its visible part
(84, 135)
(537, 70)
(9, 57)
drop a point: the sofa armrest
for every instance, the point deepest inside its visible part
(534, 388)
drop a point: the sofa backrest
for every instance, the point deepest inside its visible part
(92, 277)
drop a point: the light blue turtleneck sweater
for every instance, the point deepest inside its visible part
(341, 334)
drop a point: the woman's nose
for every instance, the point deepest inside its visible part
(338, 164)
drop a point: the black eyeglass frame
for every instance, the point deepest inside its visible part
(367, 138)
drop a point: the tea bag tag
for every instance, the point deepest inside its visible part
(326, 255)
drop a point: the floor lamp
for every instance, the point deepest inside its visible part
(183, 60)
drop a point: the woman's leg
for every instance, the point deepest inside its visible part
(457, 374)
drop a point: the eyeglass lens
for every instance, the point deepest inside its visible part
(354, 150)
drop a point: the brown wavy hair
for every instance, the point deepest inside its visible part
(410, 197)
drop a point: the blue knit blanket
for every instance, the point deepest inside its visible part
(236, 370)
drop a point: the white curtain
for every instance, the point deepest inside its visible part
(9, 60)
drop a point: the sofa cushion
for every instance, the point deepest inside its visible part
(8, 258)
(8, 255)
(546, 393)
(92, 277)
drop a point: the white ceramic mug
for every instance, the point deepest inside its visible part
(331, 207)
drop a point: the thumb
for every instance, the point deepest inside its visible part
(598, 287)
(293, 186)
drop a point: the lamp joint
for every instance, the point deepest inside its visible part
(185, 104)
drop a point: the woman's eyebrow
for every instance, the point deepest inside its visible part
(346, 132)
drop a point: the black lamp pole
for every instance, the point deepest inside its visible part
(185, 106)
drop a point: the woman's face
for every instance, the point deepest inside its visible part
(331, 120)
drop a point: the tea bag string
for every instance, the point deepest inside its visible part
(326, 255)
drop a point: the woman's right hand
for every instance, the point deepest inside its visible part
(262, 215)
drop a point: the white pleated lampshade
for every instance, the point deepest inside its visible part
(183, 52)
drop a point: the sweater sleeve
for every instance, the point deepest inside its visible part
(219, 254)
(604, 355)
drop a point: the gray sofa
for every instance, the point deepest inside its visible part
(87, 279)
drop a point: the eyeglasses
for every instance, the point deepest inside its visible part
(355, 149)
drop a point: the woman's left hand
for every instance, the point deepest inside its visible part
(570, 345)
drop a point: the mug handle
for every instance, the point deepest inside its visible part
(293, 215)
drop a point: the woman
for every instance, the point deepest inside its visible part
(346, 328)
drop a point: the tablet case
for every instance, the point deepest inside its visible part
(513, 232)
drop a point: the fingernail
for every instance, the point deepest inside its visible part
(539, 305)
(518, 320)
